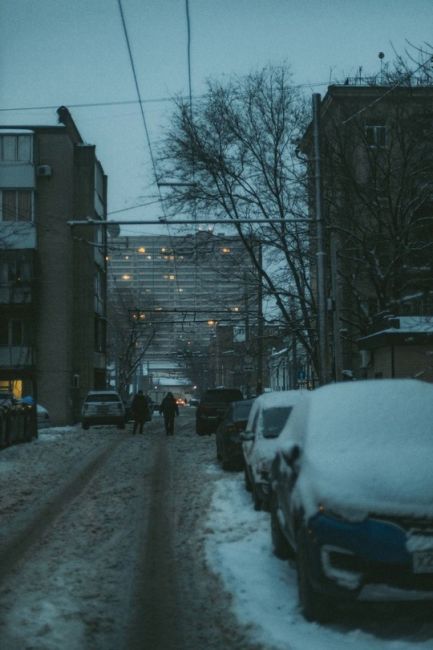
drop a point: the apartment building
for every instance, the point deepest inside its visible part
(186, 285)
(52, 277)
(377, 165)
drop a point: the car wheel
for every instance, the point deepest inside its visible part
(256, 499)
(121, 426)
(199, 430)
(314, 605)
(85, 426)
(280, 545)
(247, 480)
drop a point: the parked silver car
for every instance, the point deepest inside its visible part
(103, 407)
(266, 420)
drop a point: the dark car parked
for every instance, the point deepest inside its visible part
(352, 488)
(212, 408)
(228, 440)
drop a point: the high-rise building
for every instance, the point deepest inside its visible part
(52, 277)
(185, 285)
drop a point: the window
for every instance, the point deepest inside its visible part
(13, 332)
(16, 205)
(16, 148)
(375, 135)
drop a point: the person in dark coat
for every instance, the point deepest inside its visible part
(169, 409)
(140, 411)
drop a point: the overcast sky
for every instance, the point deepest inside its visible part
(66, 52)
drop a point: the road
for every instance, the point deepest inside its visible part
(102, 544)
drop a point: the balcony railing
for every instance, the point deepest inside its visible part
(15, 294)
(16, 356)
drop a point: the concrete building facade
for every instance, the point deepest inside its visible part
(53, 277)
(377, 165)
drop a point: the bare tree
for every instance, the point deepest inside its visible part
(378, 166)
(130, 333)
(235, 158)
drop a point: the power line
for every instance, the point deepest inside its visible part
(90, 104)
(149, 144)
(133, 207)
(125, 102)
(137, 88)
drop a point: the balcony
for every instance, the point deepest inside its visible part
(16, 356)
(16, 293)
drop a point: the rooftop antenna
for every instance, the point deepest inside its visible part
(360, 75)
(381, 56)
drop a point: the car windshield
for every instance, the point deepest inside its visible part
(102, 397)
(222, 395)
(241, 410)
(274, 420)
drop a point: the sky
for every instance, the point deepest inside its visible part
(58, 52)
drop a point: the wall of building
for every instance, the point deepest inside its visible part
(55, 276)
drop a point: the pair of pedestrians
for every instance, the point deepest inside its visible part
(141, 412)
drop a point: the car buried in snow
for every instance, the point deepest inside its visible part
(266, 420)
(352, 496)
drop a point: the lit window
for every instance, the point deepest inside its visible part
(125, 276)
(141, 249)
(126, 257)
(172, 277)
(225, 250)
(149, 257)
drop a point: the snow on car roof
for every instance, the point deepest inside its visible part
(278, 398)
(368, 445)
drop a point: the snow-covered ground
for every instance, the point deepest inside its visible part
(238, 548)
(103, 520)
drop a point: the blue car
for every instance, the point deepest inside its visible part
(352, 494)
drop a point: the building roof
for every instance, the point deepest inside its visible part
(403, 330)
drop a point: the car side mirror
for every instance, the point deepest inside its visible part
(291, 455)
(247, 436)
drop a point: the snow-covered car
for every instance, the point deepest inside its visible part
(353, 493)
(266, 420)
(103, 407)
(228, 435)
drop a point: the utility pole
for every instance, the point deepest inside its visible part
(338, 358)
(321, 253)
(260, 329)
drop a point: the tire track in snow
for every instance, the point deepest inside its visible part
(20, 544)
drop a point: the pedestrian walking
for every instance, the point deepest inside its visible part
(169, 409)
(140, 411)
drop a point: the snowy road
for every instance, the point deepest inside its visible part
(101, 543)
(115, 542)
